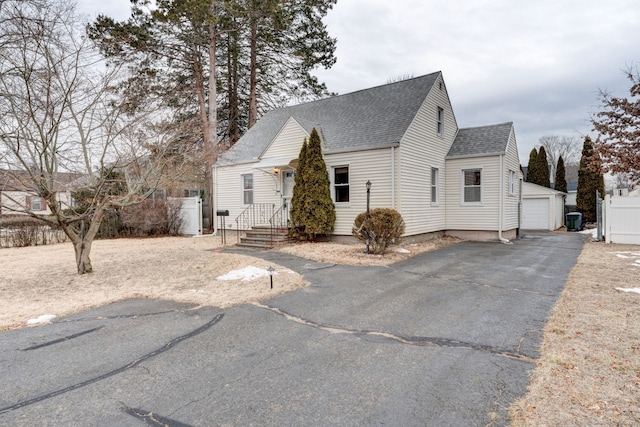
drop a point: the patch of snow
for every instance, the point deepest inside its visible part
(245, 274)
(45, 318)
(592, 231)
(634, 290)
(403, 251)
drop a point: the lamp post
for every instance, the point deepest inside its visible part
(271, 270)
(368, 214)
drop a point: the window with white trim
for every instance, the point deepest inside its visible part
(36, 204)
(472, 186)
(247, 189)
(434, 185)
(440, 118)
(341, 184)
(512, 183)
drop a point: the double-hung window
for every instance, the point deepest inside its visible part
(341, 184)
(36, 204)
(472, 186)
(440, 119)
(512, 183)
(247, 189)
(434, 185)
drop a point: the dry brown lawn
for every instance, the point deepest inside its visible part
(588, 372)
(42, 280)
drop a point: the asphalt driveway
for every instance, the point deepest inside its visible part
(444, 338)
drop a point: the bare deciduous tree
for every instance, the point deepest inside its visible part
(566, 146)
(58, 113)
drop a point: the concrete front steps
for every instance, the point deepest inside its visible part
(259, 237)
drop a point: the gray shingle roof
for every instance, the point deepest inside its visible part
(481, 141)
(370, 118)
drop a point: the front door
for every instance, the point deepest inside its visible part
(287, 192)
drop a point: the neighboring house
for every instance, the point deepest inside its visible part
(542, 207)
(404, 138)
(572, 193)
(17, 195)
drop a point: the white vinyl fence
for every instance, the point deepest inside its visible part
(622, 220)
(191, 214)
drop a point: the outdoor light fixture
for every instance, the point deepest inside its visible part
(276, 170)
(368, 214)
(271, 270)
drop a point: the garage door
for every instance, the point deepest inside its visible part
(535, 214)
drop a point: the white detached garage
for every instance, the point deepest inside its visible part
(542, 207)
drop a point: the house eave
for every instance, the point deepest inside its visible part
(470, 156)
(358, 149)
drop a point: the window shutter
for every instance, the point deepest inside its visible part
(27, 202)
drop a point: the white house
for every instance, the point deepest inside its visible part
(403, 137)
(542, 208)
(17, 195)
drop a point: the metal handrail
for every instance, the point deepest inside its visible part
(277, 220)
(254, 214)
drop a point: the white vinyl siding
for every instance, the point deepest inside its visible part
(510, 218)
(372, 165)
(473, 216)
(288, 141)
(420, 150)
(228, 189)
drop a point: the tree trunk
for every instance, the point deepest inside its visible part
(82, 249)
(253, 79)
(210, 142)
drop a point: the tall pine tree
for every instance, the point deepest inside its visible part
(590, 179)
(560, 182)
(315, 213)
(532, 167)
(543, 168)
(298, 198)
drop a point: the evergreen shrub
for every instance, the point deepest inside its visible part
(385, 227)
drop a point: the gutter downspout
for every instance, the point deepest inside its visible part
(215, 199)
(393, 177)
(501, 203)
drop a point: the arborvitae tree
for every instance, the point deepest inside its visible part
(543, 168)
(319, 213)
(532, 167)
(560, 182)
(590, 179)
(299, 196)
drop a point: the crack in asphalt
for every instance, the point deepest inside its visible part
(417, 341)
(59, 340)
(118, 316)
(114, 372)
(153, 419)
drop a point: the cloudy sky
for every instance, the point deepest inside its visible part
(538, 63)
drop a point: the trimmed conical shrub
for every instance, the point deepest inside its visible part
(543, 168)
(532, 167)
(314, 212)
(298, 198)
(560, 182)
